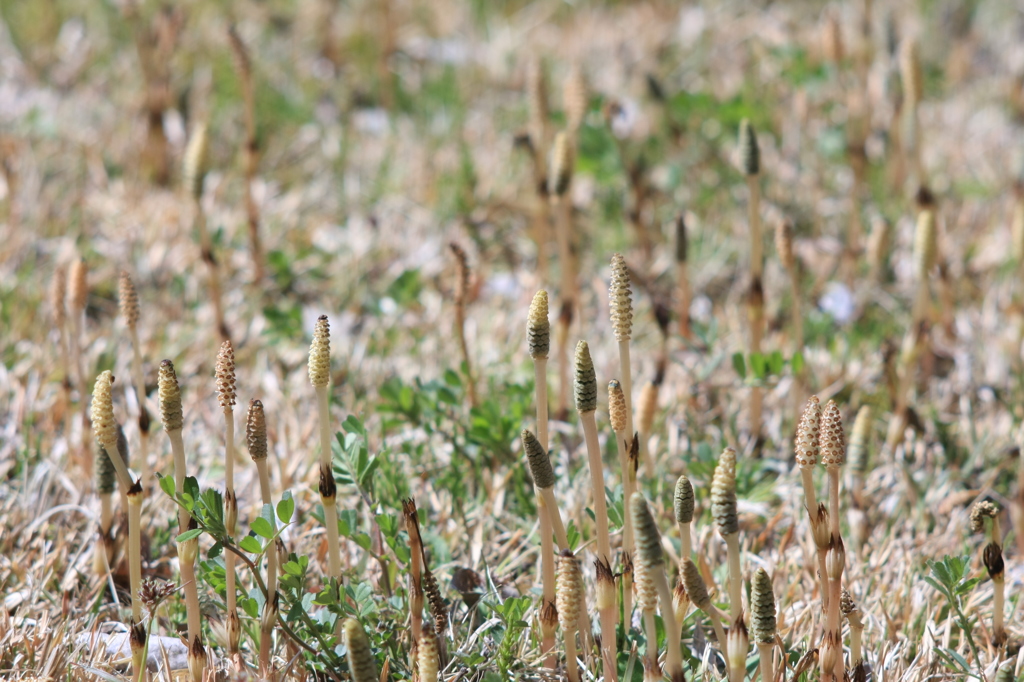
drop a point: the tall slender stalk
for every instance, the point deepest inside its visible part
(992, 557)
(173, 422)
(106, 431)
(251, 150)
(559, 181)
(462, 275)
(723, 509)
(192, 175)
(543, 477)
(58, 293)
(646, 408)
(650, 554)
(620, 306)
(806, 448)
(412, 527)
(915, 340)
(618, 414)
(256, 437)
(586, 405)
(538, 133)
(913, 91)
(833, 455)
(106, 483)
(78, 293)
(538, 334)
(750, 158)
(226, 396)
(784, 247)
(129, 304)
(319, 376)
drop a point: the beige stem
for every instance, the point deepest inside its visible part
(564, 383)
(140, 396)
(823, 583)
(547, 563)
(589, 422)
(716, 622)
(856, 653)
(673, 653)
(572, 667)
(628, 488)
(998, 599)
(135, 553)
(329, 503)
(604, 552)
(685, 540)
(206, 246)
(540, 376)
(106, 512)
(650, 626)
(188, 580)
(766, 665)
(562, 542)
(807, 477)
(732, 544)
(178, 449)
(833, 500)
(261, 465)
(627, 388)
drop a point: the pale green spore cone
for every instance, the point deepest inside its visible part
(762, 607)
(170, 397)
(106, 474)
(538, 327)
(723, 494)
(683, 500)
(586, 379)
(648, 538)
(361, 663)
(750, 154)
(540, 464)
(694, 585)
